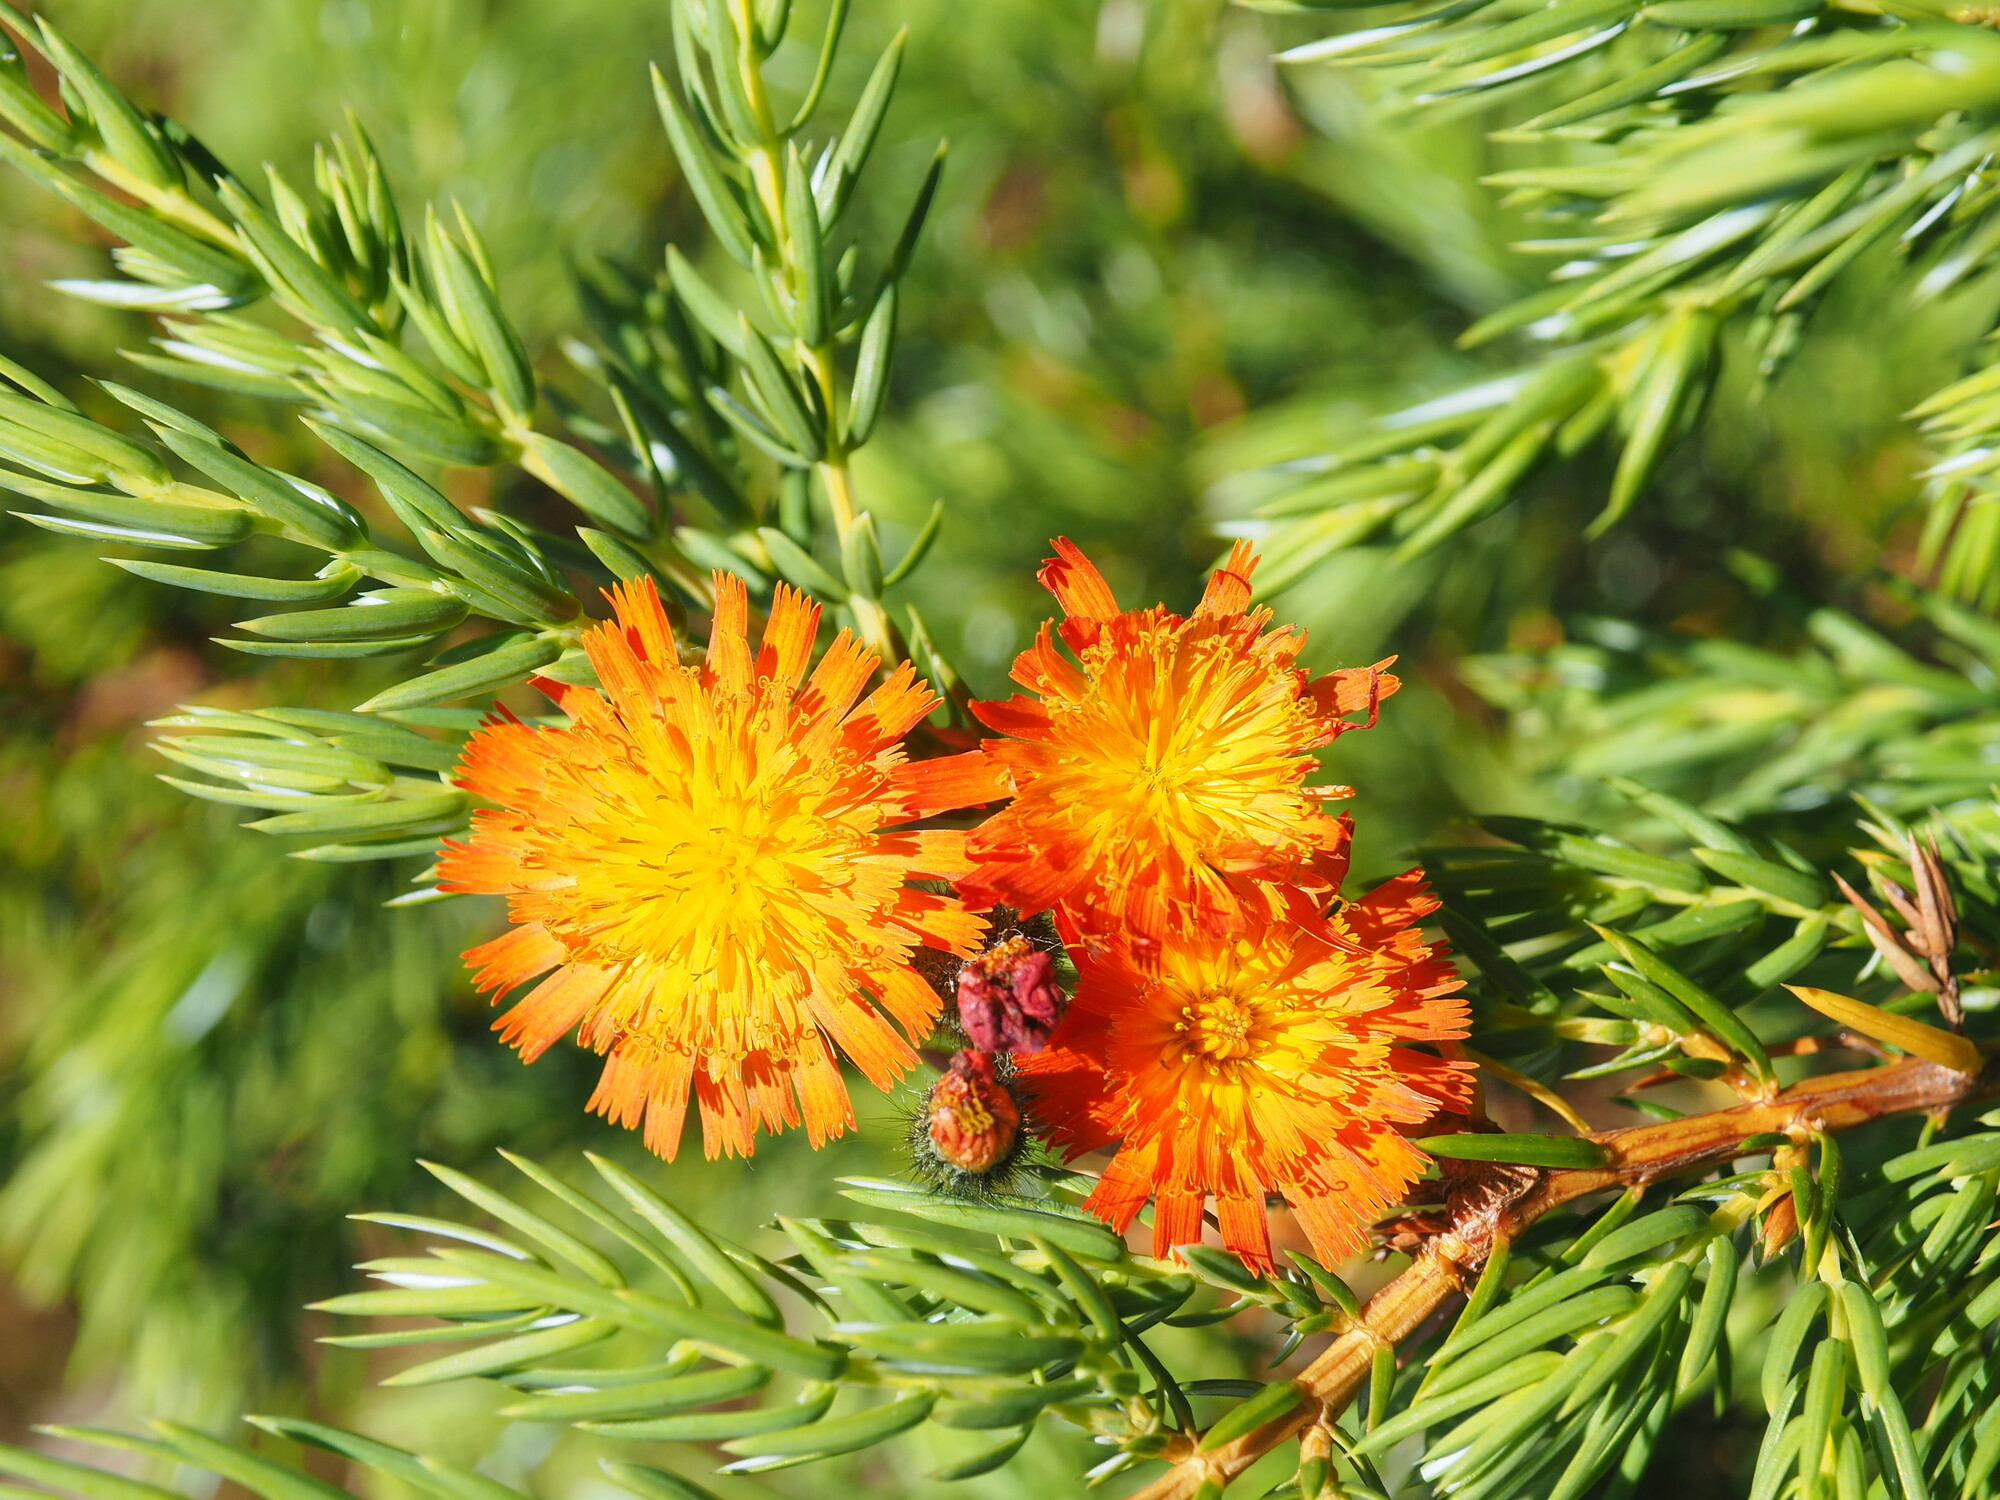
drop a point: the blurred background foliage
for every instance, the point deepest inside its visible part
(1156, 267)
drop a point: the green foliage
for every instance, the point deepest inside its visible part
(783, 393)
(336, 259)
(1757, 733)
(219, 1077)
(1584, 942)
(1704, 178)
(1850, 1356)
(982, 1319)
(1587, 1342)
(96, 867)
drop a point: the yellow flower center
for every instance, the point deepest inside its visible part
(1191, 739)
(1219, 1028)
(727, 877)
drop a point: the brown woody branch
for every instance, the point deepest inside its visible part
(1492, 1201)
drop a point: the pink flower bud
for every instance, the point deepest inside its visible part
(1008, 998)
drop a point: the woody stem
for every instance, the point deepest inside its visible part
(1496, 1202)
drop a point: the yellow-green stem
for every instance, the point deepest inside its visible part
(816, 361)
(839, 495)
(748, 66)
(169, 203)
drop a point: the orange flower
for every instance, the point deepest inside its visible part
(1159, 779)
(1271, 1061)
(703, 859)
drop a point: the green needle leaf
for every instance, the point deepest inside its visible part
(1556, 1151)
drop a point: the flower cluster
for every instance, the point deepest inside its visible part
(717, 869)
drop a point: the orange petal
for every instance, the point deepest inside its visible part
(517, 955)
(1331, 1225)
(788, 637)
(552, 1008)
(1123, 1189)
(822, 1096)
(1334, 856)
(1246, 1231)
(1355, 690)
(483, 866)
(728, 636)
(1045, 670)
(838, 679)
(940, 854)
(638, 607)
(1228, 591)
(617, 655)
(929, 787)
(1076, 583)
(667, 1089)
(892, 710)
(768, 1087)
(862, 1035)
(914, 1004)
(1176, 1218)
(500, 757)
(724, 1102)
(622, 1089)
(1018, 715)
(1447, 1085)
(1003, 872)
(1397, 903)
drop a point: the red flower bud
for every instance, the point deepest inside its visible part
(972, 1120)
(1008, 998)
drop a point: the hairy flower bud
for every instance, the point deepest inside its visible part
(1008, 998)
(970, 1117)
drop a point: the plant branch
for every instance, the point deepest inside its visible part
(1492, 1201)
